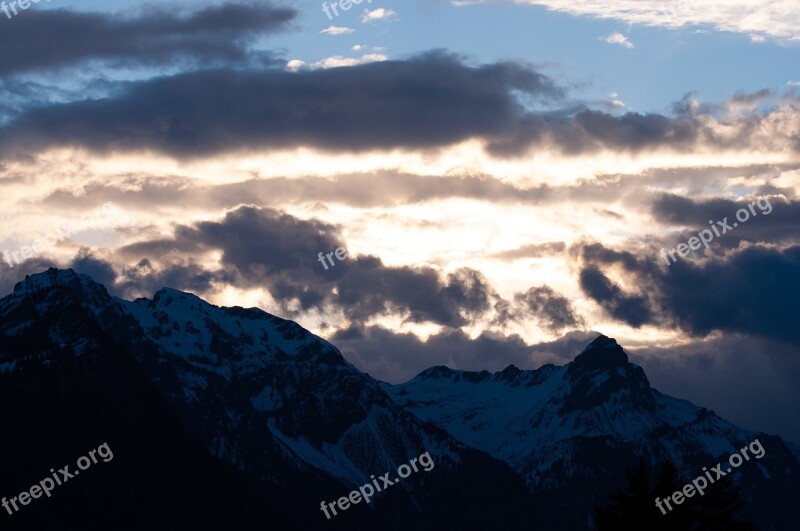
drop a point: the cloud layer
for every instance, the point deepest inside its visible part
(431, 101)
(773, 18)
(154, 36)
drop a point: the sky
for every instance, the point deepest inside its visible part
(507, 177)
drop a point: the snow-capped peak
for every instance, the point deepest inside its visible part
(51, 278)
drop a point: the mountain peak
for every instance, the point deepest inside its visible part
(602, 341)
(83, 286)
(602, 353)
(165, 296)
(49, 279)
(435, 372)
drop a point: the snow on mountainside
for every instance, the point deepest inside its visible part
(513, 414)
(562, 428)
(215, 338)
(252, 367)
(245, 365)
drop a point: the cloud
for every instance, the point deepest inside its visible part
(534, 250)
(429, 101)
(398, 357)
(364, 190)
(724, 373)
(154, 36)
(776, 219)
(618, 38)
(613, 102)
(339, 61)
(337, 30)
(631, 309)
(777, 19)
(145, 278)
(364, 48)
(85, 262)
(285, 261)
(553, 311)
(384, 188)
(139, 280)
(295, 64)
(377, 15)
(698, 128)
(754, 290)
(335, 109)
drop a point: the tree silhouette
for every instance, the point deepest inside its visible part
(717, 510)
(633, 508)
(668, 481)
(630, 508)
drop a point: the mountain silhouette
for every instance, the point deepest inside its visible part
(232, 418)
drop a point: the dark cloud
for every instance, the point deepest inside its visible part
(397, 358)
(143, 279)
(565, 348)
(691, 126)
(754, 291)
(56, 38)
(631, 131)
(775, 220)
(429, 101)
(592, 130)
(738, 376)
(267, 248)
(86, 263)
(751, 290)
(432, 100)
(551, 310)
(599, 253)
(629, 308)
(140, 280)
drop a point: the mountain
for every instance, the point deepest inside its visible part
(569, 432)
(232, 418)
(273, 410)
